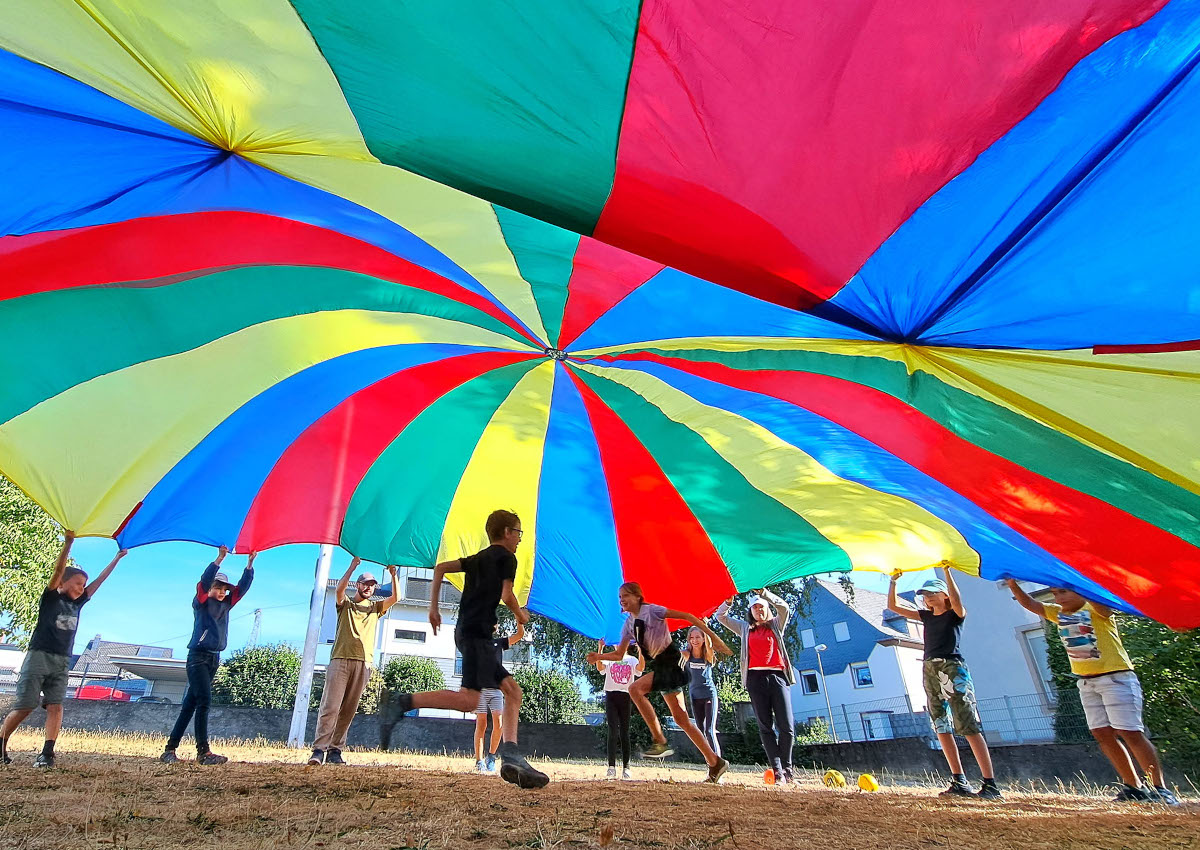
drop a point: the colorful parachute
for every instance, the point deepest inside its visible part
(714, 294)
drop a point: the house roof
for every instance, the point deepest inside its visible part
(867, 620)
(96, 658)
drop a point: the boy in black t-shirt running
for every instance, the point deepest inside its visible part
(489, 576)
(44, 673)
(949, 692)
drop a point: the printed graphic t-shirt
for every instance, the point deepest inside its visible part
(1091, 639)
(356, 627)
(57, 622)
(648, 627)
(619, 675)
(700, 679)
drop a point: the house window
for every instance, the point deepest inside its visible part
(841, 632)
(809, 682)
(808, 639)
(406, 634)
(862, 675)
(418, 589)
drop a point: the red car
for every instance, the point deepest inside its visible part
(101, 692)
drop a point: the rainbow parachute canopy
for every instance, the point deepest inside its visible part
(713, 295)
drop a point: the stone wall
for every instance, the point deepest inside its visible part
(903, 756)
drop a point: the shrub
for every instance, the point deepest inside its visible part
(550, 696)
(410, 674)
(259, 677)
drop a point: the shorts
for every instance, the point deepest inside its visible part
(951, 697)
(43, 674)
(490, 699)
(1113, 700)
(669, 675)
(481, 669)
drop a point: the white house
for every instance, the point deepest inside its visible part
(868, 676)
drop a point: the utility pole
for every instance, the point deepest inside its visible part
(254, 629)
(308, 658)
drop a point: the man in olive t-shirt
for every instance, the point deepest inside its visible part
(350, 662)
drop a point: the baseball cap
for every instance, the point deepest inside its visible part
(934, 585)
(758, 600)
(366, 577)
(221, 578)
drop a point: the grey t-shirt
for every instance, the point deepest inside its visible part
(649, 628)
(57, 622)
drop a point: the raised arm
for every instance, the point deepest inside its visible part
(247, 579)
(105, 573)
(1025, 600)
(344, 581)
(718, 644)
(952, 592)
(517, 636)
(783, 611)
(210, 573)
(732, 623)
(616, 655)
(897, 605)
(435, 591)
(60, 566)
(509, 598)
(391, 600)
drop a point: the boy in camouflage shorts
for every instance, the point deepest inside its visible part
(948, 689)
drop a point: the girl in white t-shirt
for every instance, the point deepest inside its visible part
(618, 676)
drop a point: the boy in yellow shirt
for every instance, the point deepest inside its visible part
(1108, 688)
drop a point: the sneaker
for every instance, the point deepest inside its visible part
(989, 791)
(44, 760)
(626, 774)
(717, 771)
(1130, 794)
(958, 789)
(401, 705)
(612, 773)
(479, 766)
(4, 759)
(211, 758)
(334, 756)
(658, 751)
(317, 757)
(490, 764)
(515, 769)
(788, 779)
(1165, 796)
(168, 757)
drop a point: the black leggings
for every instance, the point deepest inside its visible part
(772, 702)
(201, 670)
(616, 709)
(705, 712)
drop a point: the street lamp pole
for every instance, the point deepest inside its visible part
(829, 708)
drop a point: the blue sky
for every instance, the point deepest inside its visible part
(147, 599)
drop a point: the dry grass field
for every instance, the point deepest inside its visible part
(110, 792)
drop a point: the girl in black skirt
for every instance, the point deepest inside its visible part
(647, 625)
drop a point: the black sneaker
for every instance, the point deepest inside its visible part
(334, 757)
(1164, 795)
(401, 705)
(44, 760)
(958, 789)
(717, 771)
(989, 791)
(168, 757)
(1129, 794)
(317, 757)
(515, 769)
(211, 758)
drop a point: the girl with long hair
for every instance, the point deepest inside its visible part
(698, 664)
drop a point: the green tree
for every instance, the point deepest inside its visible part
(259, 676)
(1168, 664)
(410, 674)
(29, 544)
(550, 695)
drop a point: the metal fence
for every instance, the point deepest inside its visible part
(1027, 718)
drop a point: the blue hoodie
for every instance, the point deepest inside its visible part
(211, 631)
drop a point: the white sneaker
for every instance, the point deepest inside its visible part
(625, 774)
(612, 773)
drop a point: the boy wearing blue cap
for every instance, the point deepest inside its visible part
(948, 688)
(215, 595)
